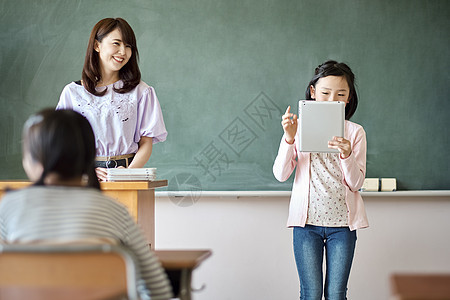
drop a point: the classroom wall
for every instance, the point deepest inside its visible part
(252, 253)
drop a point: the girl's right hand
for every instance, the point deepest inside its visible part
(289, 123)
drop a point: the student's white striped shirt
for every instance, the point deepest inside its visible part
(41, 213)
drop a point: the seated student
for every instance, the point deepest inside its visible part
(65, 203)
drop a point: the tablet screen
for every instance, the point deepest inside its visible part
(318, 123)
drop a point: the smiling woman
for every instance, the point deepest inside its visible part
(114, 54)
(123, 111)
(108, 32)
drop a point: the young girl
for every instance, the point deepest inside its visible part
(325, 208)
(65, 203)
(123, 110)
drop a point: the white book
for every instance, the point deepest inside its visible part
(136, 171)
(136, 174)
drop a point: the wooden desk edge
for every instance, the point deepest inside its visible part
(105, 186)
(13, 184)
(179, 259)
(405, 285)
(132, 185)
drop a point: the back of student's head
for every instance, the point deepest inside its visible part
(63, 143)
(334, 68)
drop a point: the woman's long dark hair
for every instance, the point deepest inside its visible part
(63, 142)
(333, 68)
(129, 74)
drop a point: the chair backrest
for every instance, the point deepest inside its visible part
(67, 272)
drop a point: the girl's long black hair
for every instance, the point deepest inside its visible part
(63, 142)
(333, 68)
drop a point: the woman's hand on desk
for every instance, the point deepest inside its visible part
(101, 173)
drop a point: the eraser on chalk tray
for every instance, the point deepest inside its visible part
(370, 185)
(379, 184)
(388, 184)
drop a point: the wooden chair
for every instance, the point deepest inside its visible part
(417, 286)
(66, 272)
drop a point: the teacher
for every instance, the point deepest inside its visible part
(123, 111)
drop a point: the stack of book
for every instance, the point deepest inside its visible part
(137, 174)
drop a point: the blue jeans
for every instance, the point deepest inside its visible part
(309, 244)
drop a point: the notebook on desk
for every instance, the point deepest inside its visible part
(134, 174)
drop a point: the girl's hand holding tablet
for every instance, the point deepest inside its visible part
(342, 145)
(289, 123)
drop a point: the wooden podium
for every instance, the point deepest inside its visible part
(137, 196)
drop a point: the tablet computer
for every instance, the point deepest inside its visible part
(318, 123)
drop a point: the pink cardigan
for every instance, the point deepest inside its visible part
(353, 170)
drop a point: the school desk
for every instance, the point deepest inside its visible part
(420, 286)
(137, 196)
(179, 265)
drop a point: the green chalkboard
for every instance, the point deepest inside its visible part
(225, 71)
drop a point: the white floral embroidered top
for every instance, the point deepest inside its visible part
(327, 205)
(118, 120)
